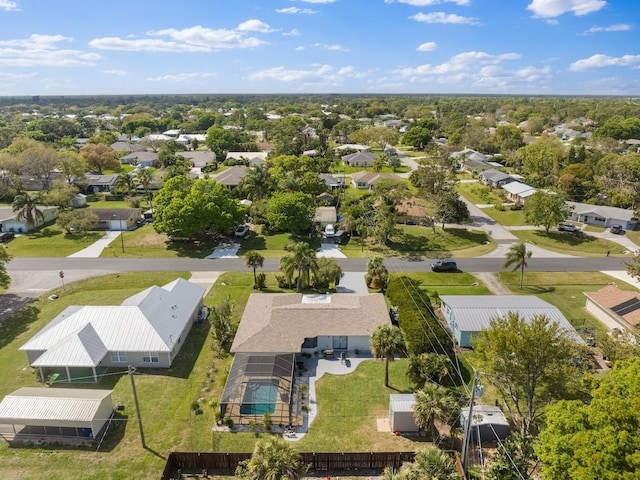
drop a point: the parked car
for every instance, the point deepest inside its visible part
(444, 266)
(6, 237)
(242, 231)
(567, 227)
(617, 229)
(329, 230)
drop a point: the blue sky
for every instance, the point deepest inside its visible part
(81, 47)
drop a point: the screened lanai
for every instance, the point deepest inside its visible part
(259, 384)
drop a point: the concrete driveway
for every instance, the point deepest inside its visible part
(353, 282)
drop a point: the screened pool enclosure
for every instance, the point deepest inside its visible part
(259, 384)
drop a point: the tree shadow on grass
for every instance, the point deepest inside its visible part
(537, 289)
(16, 314)
(44, 233)
(199, 248)
(567, 238)
(475, 237)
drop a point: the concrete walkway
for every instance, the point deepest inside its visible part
(353, 282)
(205, 279)
(95, 250)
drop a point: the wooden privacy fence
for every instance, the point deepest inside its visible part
(198, 462)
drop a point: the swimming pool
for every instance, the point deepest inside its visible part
(259, 398)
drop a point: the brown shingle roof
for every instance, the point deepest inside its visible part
(279, 322)
(611, 297)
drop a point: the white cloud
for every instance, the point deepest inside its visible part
(317, 1)
(42, 50)
(333, 48)
(292, 33)
(428, 3)
(314, 75)
(114, 72)
(192, 39)
(618, 27)
(8, 5)
(17, 76)
(442, 17)
(296, 10)
(602, 61)
(555, 8)
(181, 77)
(427, 47)
(299, 49)
(254, 25)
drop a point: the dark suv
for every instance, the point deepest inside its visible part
(444, 266)
(6, 236)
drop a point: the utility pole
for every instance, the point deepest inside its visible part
(135, 399)
(467, 427)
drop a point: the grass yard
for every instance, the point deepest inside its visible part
(594, 228)
(568, 243)
(113, 204)
(454, 283)
(50, 241)
(564, 290)
(272, 246)
(479, 194)
(506, 217)
(414, 240)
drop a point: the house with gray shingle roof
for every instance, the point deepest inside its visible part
(359, 159)
(232, 177)
(603, 215)
(469, 314)
(144, 158)
(366, 180)
(495, 178)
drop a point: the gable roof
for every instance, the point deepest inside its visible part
(108, 214)
(247, 155)
(604, 211)
(151, 320)
(325, 214)
(141, 156)
(517, 188)
(359, 157)
(279, 322)
(232, 176)
(474, 313)
(622, 304)
(98, 180)
(371, 178)
(494, 175)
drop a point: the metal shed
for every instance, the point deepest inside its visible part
(56, 412)
(489, 423)
(401, 413)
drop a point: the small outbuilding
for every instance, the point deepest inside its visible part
(32, 412)
(489, 423)
(401, 413)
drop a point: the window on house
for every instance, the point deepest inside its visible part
(119, 357)
(150, 357)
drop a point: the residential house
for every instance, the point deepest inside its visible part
(276, 327)
(127, 147)
(475, 167)
(353, 146)
(146, 330)
(143, 158)
(249, 158)
(187, 138)
(117, 219)
(366, 180)
(332, 181)
(613, 306)
(10, 223)
(325, 215)
(199, 158)
(95, 183)
(56, 413)
(467, 315)
(359, 159)
(518, 193)
(232, 177)
(602, 215)
(495, 178)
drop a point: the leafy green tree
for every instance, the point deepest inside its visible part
(27, 208)
(546, 210)
(221, 141)
(434, 403)
(531, 363)
(419, 135)
(77, 221)
(60, 195)
(386, 341)
(391, 158)
(290, 211)
(5, 257)
(430, 463)
(273, 458)
(515, 459)
(145, 177)
(99, 157)
(428, 367)
(187, 208)
(222, 329)
(450, 209)
(254, 259)
(302, 260)
(257, 183)
(597, 439)
(508, 138)
(72, 165)
(517, 257)
(125, 182)
(329, 271)
(542, 160)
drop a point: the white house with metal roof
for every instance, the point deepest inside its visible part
(469, 314)
(519, 192)
(55, 412)
(602, 215)
(146, 330)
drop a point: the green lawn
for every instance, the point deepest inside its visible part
(565, 242)
(50, 241)
(112, 204)
(506, 217)
(479, 194)
(594, 228)
(450, 283)
(564, 290)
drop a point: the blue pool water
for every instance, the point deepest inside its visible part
(259, 398)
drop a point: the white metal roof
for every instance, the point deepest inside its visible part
(402, 402)
(150, 321)
(517, 188)
(613, 213)
(51, 404)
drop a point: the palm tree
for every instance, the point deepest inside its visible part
(386, 342)
(431, 463)
(255, 183)
(254, 260)
(301, 260)
(517, 257)
(273, 458)
(377, 272)
(434, 403)
(145, 177)
(27, 208)
(124, 181)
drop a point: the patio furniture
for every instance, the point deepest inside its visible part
(328, 353)
(343, 357)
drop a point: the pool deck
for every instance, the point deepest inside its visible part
(315, 369)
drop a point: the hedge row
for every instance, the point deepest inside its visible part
(422, 330)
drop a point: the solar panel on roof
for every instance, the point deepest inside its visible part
(627, 307)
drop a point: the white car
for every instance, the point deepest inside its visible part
(242, 231)
(329, 230)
